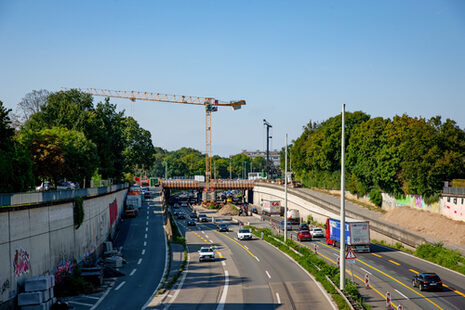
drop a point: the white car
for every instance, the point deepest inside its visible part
(317, 232)
(206, 253)
(244, 234)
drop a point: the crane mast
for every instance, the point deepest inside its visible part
(211, 105)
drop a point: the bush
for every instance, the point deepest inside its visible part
(433, 198)
(375, 197)
(78, 212)
(436, 253)
(72, 285)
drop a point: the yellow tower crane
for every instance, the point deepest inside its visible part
(211, 105)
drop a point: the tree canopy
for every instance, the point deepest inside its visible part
(403, 155)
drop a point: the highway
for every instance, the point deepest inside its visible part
(246, 275)
(391, 270)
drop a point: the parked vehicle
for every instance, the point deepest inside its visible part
(427, 281)
(244, 234)
(357, 234)
(44, 186)
(202, 218)
(271, 207)
(317, 232)
(304, 235)
(206, 253)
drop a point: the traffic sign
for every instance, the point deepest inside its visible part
(350, 254)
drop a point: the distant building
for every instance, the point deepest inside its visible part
(275, 157)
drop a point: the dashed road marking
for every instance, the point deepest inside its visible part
(366, 270)
(277, 297)
(145, 243)
(143, 252)
(145, 236)
(414, 271)
(120, 285)
(394, 262)
(146, 229)
(210, 240)
(80, 303)
(268, 274)
(133, 272)
(91, 297)
(139, 261)
(147, 223)
(257, 258)
(223, 263)
(401, 294)
(225, 291)
(246, 247)
(377, 255)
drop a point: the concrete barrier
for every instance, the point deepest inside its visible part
(320, 210)
(42, 239)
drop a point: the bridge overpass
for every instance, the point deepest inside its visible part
(181, 184)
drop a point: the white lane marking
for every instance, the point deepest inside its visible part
(401, 294)
(268, 274)
(178, 289)
(133, 272)
(139, 261)
(277, 297)
(246, 247)
(225, 291)
(206, 235)
(91, 297)
(147, 223)
(143, 251)
(145, 243)
(145, 236)
(223, 263)
(146, 229)
(202, 231)
(120, 285)
(365, 270)
(80, 303)
(210, 240)
(256, 258)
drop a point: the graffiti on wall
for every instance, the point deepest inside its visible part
(5, 286)
(113, 207)
(453, 207)
(21, 262)
(64, 267)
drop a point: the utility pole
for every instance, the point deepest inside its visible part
(268, 137)
(342, 258)
(285, 191)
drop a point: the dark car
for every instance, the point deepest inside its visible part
(194, 215)
(303, 226)
(427, 281)
(147, 195)
(175, 213)
(181, 216)
(304, 235)
(222, 227)
(190, 222)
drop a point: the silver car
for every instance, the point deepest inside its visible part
(317, 232)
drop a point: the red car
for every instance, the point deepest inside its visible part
(304, 235)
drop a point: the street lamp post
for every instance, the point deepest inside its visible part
(342, 261)
(285, 192)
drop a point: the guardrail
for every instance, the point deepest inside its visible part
(21, 199)
(453, 190)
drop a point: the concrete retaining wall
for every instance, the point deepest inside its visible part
(320, 210)
(43, 240)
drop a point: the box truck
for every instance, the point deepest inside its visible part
(357, 234)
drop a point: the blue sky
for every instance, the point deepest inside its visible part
(292, 61)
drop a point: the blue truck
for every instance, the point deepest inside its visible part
(357, 234)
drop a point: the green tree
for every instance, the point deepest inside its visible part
(59, 153)
(138, 148)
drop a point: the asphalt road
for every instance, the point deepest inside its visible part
(246, 275)
(143, 242)
(390, 270)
